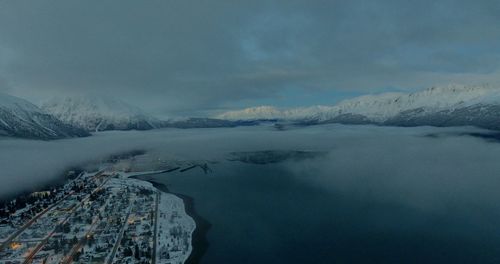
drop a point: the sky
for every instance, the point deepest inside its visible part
(184, 56)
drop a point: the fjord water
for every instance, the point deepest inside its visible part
(281, 213)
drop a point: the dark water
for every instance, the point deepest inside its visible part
(262, 214)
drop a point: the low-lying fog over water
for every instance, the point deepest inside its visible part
(333, 193)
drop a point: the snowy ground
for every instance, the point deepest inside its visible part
(174, 226)
(175, 229)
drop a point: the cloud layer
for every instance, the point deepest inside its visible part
(386, 159)
(194, 56)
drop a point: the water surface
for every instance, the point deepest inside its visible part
(269, 214)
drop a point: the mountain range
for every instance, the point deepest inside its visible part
(20, 118)
(96, 113)
(453, 105)
(77, 116)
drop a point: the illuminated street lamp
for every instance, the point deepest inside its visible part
(15, 245)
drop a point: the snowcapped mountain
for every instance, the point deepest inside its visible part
(254, 113)
(94, 113)
(20, 118)
(452, 105)
(273, 113)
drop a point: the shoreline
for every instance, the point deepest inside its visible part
(199, 240)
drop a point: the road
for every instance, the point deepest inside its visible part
(33, 220)
(40, 245)
(155, 239)
(117, 242)
(80, 244)
(32, 254)
(30, 222)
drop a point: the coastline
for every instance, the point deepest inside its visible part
(199, 240)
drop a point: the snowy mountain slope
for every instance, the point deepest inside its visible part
(480, 115)
(254, 113)
(273, 113)
(439, 106)
(380, 108)
(20, 118)
(94, 113)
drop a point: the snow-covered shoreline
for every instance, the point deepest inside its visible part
(174, 225)
(172, 210)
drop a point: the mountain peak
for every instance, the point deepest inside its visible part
(21, 118)
(97, 113)
(12, 102)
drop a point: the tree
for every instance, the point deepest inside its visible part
(57, 246)
(127, 252)
(137, 254)
(66, 228)
(77, 256)
(147, 253)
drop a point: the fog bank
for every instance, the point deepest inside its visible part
(401, 162)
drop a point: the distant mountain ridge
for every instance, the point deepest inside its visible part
(20, 118)
(453, 105)
(206, 123)
(95, 113)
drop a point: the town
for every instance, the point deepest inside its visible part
(100, 217)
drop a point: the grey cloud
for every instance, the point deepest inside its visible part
(170, 56)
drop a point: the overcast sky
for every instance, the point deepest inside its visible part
(173, 57)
